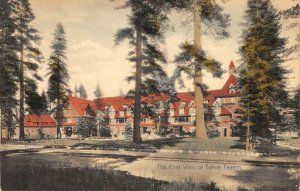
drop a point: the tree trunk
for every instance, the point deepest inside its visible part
(22, 133)
(0, 126)
(58, 118)
(158, 126)
(138, 81)
(200, 123)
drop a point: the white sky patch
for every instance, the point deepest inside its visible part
(90, 26)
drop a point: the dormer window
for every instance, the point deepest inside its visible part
(125, 106)
(232, 88)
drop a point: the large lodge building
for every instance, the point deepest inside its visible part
(219, 105)
(178, 118)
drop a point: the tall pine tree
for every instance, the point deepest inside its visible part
(8, 66)
(147, 24)
(58, 75)
(262, 76)
(30, 56)
(192, 59)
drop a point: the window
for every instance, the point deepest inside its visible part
(144, 120)
(121, 120)
(181, 119)
(121, 113)
(231, 88)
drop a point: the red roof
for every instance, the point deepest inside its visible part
(120, 103)
(39, 121)
(224, 111)
(117, 103)
(231, 80)
(231, 65)
(82, 104)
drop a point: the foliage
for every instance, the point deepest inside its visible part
(128, 132)
(37, 104)
(185, 62)
(82, 91)
(293, 14)
(262, 77)
(9, 69)
(98, 92)
(58, 75)
(212, 132)
(86, 126)
(105, 131)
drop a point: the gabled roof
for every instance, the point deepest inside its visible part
(39, 121)
(231, 80)
(81, 105)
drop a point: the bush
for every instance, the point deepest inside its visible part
(85, 126)
(212, 132)
(128, 132)
(105, 131)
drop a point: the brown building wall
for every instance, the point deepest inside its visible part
(33, 132)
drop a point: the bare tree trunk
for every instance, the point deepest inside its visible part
(138, 81)
(158, 126)
(0, 126)
(58, 113)
(200, 123)
(58, 118)
(21, 126)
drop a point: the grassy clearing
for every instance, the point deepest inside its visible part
(224, 144)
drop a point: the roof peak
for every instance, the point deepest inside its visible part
(231, 64)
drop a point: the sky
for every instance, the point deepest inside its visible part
(93, 58)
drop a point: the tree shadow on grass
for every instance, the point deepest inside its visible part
(265, 178)
(239, 144)
(272, 148)
(149, 145)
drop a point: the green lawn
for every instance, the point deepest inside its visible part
(220, 144)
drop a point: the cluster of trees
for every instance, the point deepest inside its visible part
(148, 23)
(20, 60)
(262, 76)
(262, 73)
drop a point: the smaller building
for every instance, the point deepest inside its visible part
(77, 108)
(38, 126)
